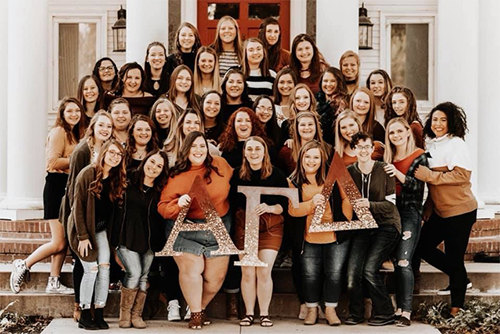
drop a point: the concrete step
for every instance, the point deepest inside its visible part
(8, 258)
(39, 275)
(281, 326)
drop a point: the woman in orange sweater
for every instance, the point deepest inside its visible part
(200, 274)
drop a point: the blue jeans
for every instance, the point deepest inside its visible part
(95, 279)
(136, 267)
(369, 249)
(322, 266)
(411, 226)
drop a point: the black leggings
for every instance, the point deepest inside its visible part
(454, 231)
(77, 275)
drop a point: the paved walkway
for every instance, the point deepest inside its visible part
(281, 326)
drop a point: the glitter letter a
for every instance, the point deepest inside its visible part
(214, 224)
(251, 258)
(338, 172)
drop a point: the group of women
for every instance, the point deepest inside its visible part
(123, 155)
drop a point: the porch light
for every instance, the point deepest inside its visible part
(365, 29)
(120, 32)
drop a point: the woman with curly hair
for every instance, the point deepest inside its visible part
(157, 76)
(380, 83)
(240, 126)
(227, 44)
(451, 208)
(270, 35)
(401, 102)
(206, 71)
(307, 62)
(332, 100)
(201, 274)
(98, 187)
(142, 139)
(187, 43)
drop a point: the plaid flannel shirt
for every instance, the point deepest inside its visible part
(412, 191)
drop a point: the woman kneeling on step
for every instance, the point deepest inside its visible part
(135, 232)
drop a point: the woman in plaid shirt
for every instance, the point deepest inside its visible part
(402, 158)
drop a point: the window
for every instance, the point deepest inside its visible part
(407, 53)
(77, 42)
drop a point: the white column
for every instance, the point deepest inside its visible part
(457, 65)
(336, 28)
(189, 12)
(26, 107)
(3, 99)
(489, 100)
(298, 19)
(147, 21)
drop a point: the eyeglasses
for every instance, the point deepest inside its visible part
(262, 108)
(106, 68)
(115, 154)
(366, 147)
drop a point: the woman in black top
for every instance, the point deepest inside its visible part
(187, 43)
(157, 77)
(266, 112)
(106, 72)
(234, 93)
(141, 140)
(134, 233)
(164, 116)
(211, 103)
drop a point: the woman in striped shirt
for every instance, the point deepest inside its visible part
(259, 77)
(227, 44)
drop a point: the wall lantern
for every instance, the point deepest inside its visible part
(120, 32)
(365, 29)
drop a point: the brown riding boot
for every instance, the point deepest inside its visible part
(126, 302)
(140, 299)
(77, 313)
(331, 316)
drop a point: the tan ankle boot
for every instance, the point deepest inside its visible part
(77, 313)
(126, 302)
(140, 299)
(331, 316)
(312, 316)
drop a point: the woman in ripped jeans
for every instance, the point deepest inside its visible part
(97, 187)
(403, 158)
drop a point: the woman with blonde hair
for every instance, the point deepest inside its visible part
(227, 44)
(349, 64)
(206, 71)
(363, 104)
(164, 116)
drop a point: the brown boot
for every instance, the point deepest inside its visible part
(312, 316)
(77, 313)
(140, 299)
(331, 316)
(232, 306)
(126, 302)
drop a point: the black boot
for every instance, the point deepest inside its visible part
(99, 319)
(86, 321)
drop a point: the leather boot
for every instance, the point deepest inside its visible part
(126, 302)
(99, 318)
(140, 299)
(77, 313)
(86, 321)
(232, 306)
(312, 316)
(331, 316)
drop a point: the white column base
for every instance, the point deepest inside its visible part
(21, 208)
(20, 214)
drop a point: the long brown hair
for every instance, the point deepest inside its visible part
(90, 132)
(175, 141)
(196, 45)
(387, 85)
(73, 135)
(296, 137)
(299, 174)
(276, 93)
(370, 121)
(198, 76)
(264, 63)
(117, 175)
(172, 92)
(314, 67)
(228, 139)
(153, 142)
(411, 114)
(266, 169)
(273, 51)
(183, 164)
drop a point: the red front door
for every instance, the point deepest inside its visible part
(248, 13)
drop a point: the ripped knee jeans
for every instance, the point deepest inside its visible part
(95, 279)
(410, 233)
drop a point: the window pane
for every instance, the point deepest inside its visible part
(218, 10)
(410, 57)
(77, 55)
(260, 11)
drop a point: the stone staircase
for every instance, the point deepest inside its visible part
(21, 238)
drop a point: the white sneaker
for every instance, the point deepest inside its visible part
(173, 309)
(303, 311)
(187, 316)
(54, 286)
(19, 275)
